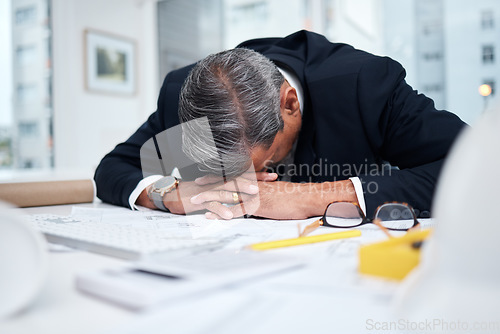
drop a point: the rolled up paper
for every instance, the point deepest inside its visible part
(26, 194)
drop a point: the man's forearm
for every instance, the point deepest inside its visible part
(284, 200)
(319, 195)
(287, 200)
(143, 200)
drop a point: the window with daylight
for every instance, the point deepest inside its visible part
(488, 54)
(487, 20)
(25, 15)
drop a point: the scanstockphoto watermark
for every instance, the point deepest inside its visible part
(432, 325)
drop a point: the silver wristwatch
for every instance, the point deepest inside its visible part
(160, 188)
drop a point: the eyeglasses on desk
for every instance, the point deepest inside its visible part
(394, 216)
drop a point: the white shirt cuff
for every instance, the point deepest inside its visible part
(358, 187)
(139, 188)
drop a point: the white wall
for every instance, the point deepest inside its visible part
(271, 18)
(358, 23)
(87, 125)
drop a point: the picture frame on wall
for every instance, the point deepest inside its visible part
(109, 63)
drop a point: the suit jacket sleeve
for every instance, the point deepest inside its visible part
(120, 171)
(407, 131)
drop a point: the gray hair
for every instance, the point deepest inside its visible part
(238, 91)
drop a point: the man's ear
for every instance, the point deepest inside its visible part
(290, 101)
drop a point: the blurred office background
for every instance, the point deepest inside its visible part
(50, 119)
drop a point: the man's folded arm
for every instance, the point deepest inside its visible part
(405, 129)
(413, 185)
(119, 172)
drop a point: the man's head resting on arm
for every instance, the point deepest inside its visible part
(253, 112)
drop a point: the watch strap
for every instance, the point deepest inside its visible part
(157, 197)
(158, 201)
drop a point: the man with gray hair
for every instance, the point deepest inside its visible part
(239, 92)
(313, 121)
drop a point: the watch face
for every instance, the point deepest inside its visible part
(164, 182)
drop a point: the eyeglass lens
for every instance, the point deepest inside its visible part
(343, 214)
(394, 216)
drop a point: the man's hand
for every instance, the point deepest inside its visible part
(180, 200)
(243, 188)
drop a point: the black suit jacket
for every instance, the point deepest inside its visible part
(359, 113)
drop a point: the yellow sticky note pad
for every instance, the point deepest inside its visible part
(393, 258)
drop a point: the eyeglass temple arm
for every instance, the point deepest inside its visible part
(377, 222)
(414, 227)
(309, 228)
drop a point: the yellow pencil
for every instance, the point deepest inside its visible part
(305, 240)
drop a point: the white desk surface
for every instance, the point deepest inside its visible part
(326, 296)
